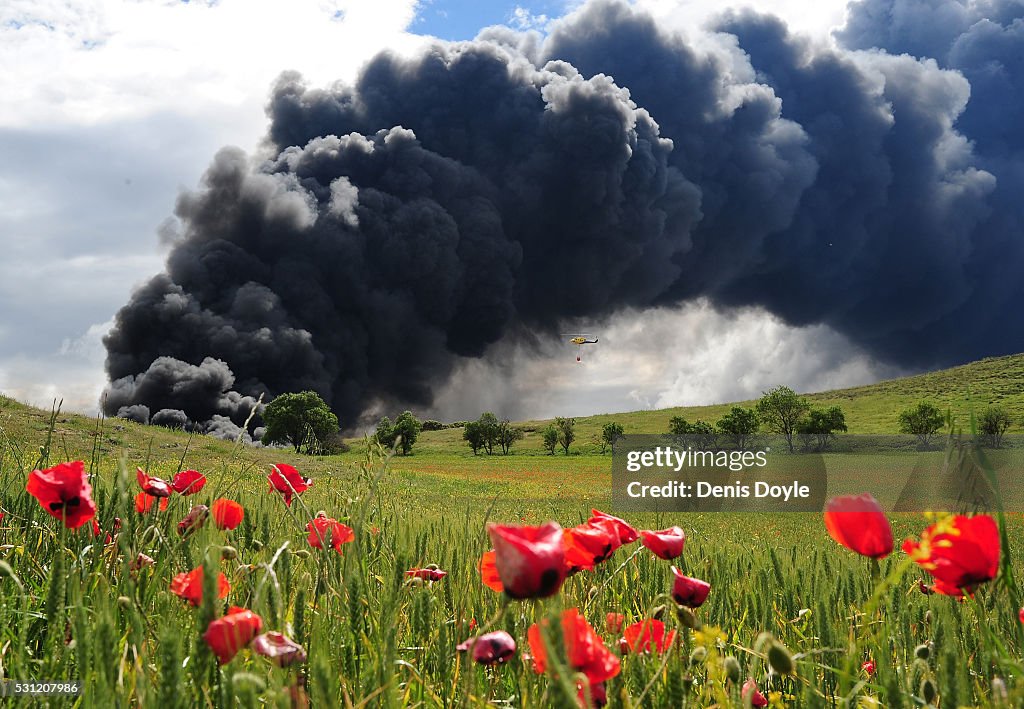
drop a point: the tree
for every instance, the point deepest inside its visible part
(302, 419)
(820, 426)
(385, 433)
(550, 439)
(739, 426)
(473, 434)
(678, 426)
(566, 432)
(922, 420)
(490, 430)
(407, 430)
(703, 435)
(611, 433)
(507, 435)
(780, 409)
(993, 425)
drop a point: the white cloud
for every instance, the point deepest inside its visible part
(815, 19)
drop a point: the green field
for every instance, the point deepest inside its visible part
(73, 610)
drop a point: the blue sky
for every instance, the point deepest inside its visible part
(462, 19)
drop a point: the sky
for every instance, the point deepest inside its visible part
(112, 108)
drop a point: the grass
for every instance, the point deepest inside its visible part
(73, 609)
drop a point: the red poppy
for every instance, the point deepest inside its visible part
(194, 520)
(613, 622)
(96, 531)
(144, 502)
(190, 585)
(627, 532)
(530, 560)
(229, 634)
(588, 544)
(141, 562)
(756, 698)
(490, 648)
(188, 482)
(584, 649)
(427, 574)
(489, 572)
(325, 530)
(152, 486)
(666, 543)
(648, 636)
(64, 492)
(858, 523)
(282, 650)
(227, 514)
(869, 668)
(689, 591)
(959, 552)
(287, 481)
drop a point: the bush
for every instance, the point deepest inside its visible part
(923, 420)
(432, 425)
(993, 425)
(550, 439)
(739, 426)
(820, 427)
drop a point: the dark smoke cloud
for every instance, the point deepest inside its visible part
(489, 190)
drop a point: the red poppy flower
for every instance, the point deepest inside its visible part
(490, 648)
(427, 574)
(194, 520)
(959, 552)
(282, 650)
(627, 532)
(489, 572)
(188, 482)
(229, 634)
(64, 492)
(584, 649)
(756, 698)
(589, 544)
(324, 530)
(152, 486)
(613, 622)
(141, 562)
(144, 502)
(287, 481)
(869, 668)
(530, 560)
(190, 585)
(648, 636)
(96, 531)
(858, 523)
(227, 514)
(689, 591)
(666, 543)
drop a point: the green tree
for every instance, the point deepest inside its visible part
(993, 425)
(923, 420)
(473, 434)
(820, 426)
(566, 432)
(678, 426)
(407, 430)
(385, 433)
(303, 420)
(611, 433)
(780, 409)
(550, 439)
(490, 429)
(507, 435)
(739, 426)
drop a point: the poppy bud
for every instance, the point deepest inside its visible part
(432, 567)
(698, 655)
(732, 669)
(780, 659)
(257, 544)
(928, 617)
(124, 601)
(688, 618)
(658, 612)
(928, 691)
(415, 581)
(228, 553)
(922, 651)
(301, 553)
(592, 593)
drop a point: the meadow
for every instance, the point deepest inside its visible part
(845, 630)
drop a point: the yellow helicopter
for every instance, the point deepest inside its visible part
(580, 339)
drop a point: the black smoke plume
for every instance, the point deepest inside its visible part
(492, 189)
